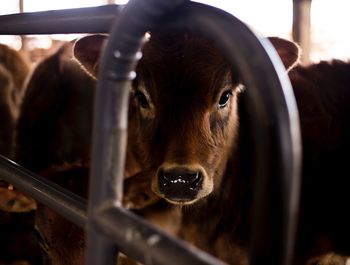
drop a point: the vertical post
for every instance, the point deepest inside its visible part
(23, 37)
(21, 4)
(302, 27)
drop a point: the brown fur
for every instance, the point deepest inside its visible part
(56, 116)
(16, 215)
(190, 129)
(54, 127)
(323, 94)
(183, 78)
(13, 72)
(65, 241)
(57, 106)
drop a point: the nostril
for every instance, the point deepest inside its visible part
(196, 181)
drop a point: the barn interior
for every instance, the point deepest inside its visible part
(316, 26)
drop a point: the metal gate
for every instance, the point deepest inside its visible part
(109, 226)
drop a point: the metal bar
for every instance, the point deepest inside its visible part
(146, 243)
(80, 20)
(60, 200)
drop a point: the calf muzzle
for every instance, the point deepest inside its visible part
(180, 184)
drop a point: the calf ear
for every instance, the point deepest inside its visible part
(87, 51)
(287, 50)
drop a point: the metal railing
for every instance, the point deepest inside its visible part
(275, 122)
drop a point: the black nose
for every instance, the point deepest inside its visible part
(180, 184)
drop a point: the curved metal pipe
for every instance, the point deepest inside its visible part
(275, 122)
(275, 119)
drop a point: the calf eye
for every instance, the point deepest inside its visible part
(224, 98)
(141, 98)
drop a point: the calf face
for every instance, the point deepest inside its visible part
(185, 107)
(185, 95)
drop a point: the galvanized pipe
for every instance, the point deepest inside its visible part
(80, 20)
(55, 197)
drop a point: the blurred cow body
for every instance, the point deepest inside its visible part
(14, 69)
(16, 210)
(57, 106)
(54, 130)
(322, 91)
(54, 140)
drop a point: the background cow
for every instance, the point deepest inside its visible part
(322, 91)
(13, 71)
(54, 140)
(57, 106)
(53, 135)
(16, 210)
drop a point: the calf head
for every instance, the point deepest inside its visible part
(184, 103)
(186, 95)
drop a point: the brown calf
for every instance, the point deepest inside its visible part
(53, 139)
(197, 149)
(186, 101)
